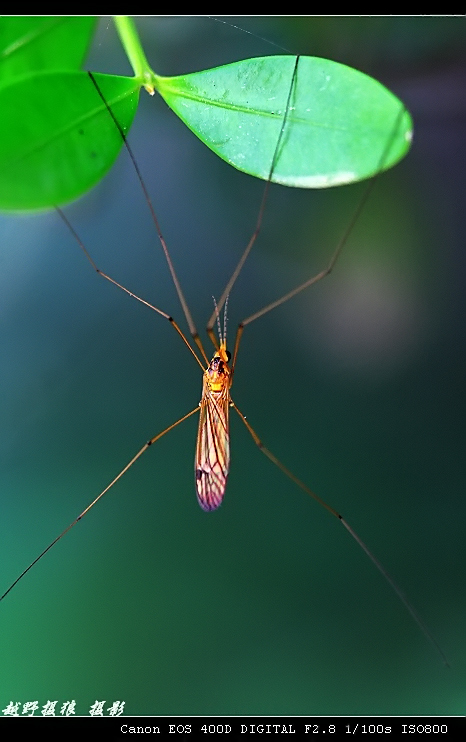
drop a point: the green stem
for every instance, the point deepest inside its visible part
(132, 45)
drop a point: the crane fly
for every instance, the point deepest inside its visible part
(212, 457)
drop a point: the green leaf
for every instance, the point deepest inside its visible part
(57, 139)
(34, 43)
(342, 125)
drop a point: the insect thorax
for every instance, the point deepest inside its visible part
(217, 377)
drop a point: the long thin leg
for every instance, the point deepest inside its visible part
(130, 293)
(310, 281)
(318, 277)
(409, 607)
(182, 300)
(104, 491)
(257, 229)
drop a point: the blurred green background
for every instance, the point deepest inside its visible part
(266, 606)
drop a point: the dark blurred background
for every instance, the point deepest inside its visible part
(266, 606)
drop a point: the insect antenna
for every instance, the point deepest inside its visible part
(222, 336)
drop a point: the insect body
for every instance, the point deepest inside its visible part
(213, 439)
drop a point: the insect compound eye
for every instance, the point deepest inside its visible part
(228, 354)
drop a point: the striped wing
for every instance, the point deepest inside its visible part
(213, 449)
